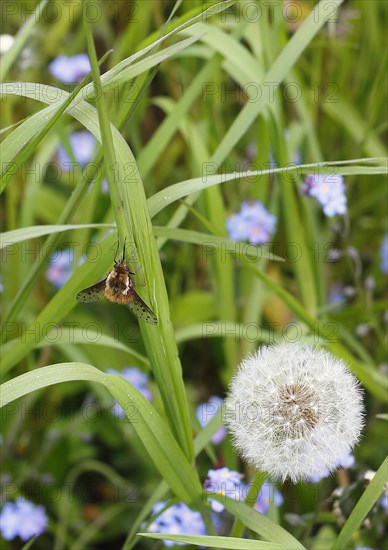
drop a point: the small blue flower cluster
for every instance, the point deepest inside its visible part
(83, 145)
(178, 519)
(60, 268)
(253, 223)
(384, 255)
(225, 481)
(206, 411)
(329, 191)
(136, 378)
(70, 69)
(22, 519)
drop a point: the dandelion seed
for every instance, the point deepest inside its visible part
(294, 411)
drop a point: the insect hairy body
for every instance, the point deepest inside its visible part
(118, 287)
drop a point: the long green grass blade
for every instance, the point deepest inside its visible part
(258, 523)
(25, 233)
(154, 433)
(179, 190)
(218, 542)
(275, 75)
(363, 506)
(214, 243)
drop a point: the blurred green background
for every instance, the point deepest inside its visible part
(184, 117)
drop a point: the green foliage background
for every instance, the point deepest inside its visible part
(191, 96)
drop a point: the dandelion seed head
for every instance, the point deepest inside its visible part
(294, 411)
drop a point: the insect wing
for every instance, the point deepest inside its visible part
(92, 293)
(141, 310)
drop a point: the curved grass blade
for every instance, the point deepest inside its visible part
(258, 523)
(25, 233)
(162, 447)
(363, 506)
(218, 542)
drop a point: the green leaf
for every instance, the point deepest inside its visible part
(160, 139)
(12, 144)
(257, 522)
(22, 150)
(25, 233)
(159, 442)
(275, 75)
(214, 243)
(59, 306)
(179, 190)
(371, 494)
(145, 420)
(218, 542)
(131, 201)
(356, 125)
(237, 331)
(200, 442)
(124, 71)
(73, 335)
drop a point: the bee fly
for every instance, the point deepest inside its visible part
(118, 287)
